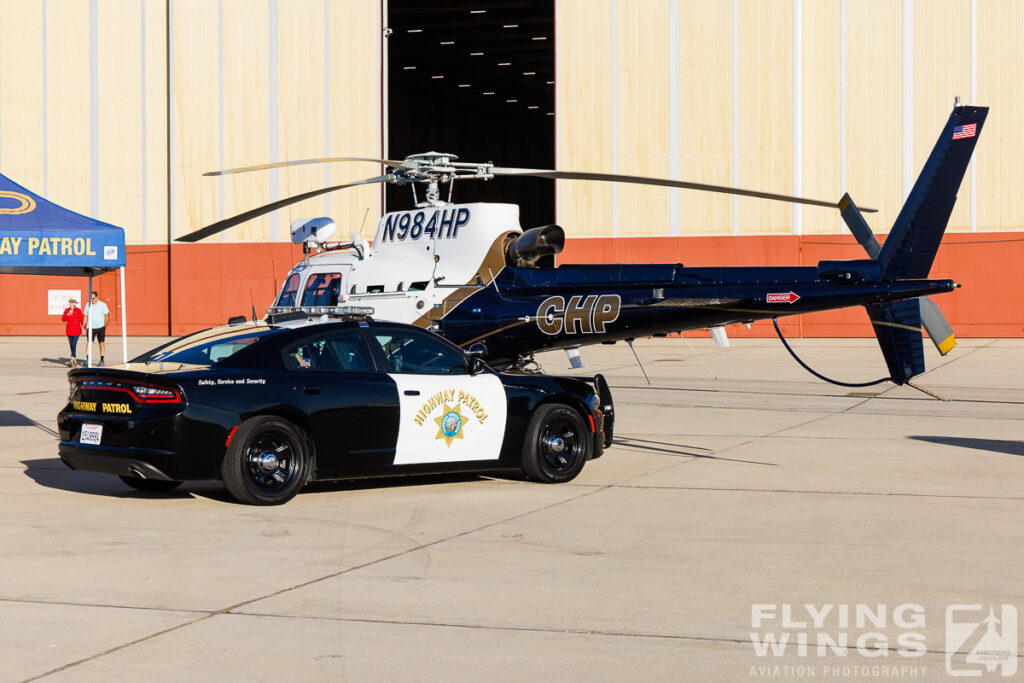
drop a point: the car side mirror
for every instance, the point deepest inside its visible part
(476, 365)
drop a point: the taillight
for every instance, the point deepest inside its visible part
(143, 393)
(147, 393)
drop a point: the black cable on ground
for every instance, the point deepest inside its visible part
(806, 367)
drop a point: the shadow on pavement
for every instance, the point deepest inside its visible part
(993, 445)
(679, 450)
(390, 482)
(53, 474)
(214, 490)
(12, 418)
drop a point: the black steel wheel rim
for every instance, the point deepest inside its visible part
(561, 445)
(269, 461)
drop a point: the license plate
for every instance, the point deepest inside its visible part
(91, 434)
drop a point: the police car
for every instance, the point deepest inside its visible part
(270, 406)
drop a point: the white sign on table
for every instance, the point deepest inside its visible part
(57, 300)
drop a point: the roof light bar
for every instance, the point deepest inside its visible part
(321, 310)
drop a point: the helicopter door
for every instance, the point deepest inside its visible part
(445, 413)
(326, 289)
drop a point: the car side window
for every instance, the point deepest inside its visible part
(339, 351)
(412, 353)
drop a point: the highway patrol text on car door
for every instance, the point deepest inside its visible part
(445, 414)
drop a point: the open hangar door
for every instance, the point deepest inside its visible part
(475, 79)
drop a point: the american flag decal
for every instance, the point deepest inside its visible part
(968, 131)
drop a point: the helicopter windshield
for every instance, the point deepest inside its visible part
(288, 292)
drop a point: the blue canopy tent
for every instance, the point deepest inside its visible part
(38, 237)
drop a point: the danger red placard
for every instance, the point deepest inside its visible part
(781, 297)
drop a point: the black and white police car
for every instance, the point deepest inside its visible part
(271, 406)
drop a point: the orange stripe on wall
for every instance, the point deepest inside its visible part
(212, 282)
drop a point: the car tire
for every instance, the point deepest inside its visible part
(268, 461)
(557, 444)
(150, 485)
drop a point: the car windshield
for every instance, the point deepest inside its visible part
(206, 347)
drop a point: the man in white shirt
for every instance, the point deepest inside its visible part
(96, 316)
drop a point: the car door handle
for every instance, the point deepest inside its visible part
(412, 392)
(311, 389)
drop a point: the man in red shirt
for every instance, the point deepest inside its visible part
(73, 317)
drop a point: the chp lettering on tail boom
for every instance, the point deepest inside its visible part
(470, 273)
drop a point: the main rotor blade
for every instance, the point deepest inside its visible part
(663, 182)
(301, 162)
(214, 228)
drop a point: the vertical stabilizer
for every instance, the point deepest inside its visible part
(898, 329)
(909, 250)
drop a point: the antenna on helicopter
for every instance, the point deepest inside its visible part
(363, 224)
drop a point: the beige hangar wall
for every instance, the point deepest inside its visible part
(255, 82)
(792, 96)
(84, 108)
(798, 96)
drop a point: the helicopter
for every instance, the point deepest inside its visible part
(470, 273)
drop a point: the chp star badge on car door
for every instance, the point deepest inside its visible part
(449, 425)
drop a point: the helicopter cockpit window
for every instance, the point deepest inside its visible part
(417, 286)
(415, 354)
(322, 290)
(288, 292)
(374, 289)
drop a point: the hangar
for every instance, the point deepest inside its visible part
(115, 108)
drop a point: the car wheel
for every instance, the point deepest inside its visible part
(267, 462)
(557, 444)
(150, 485)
